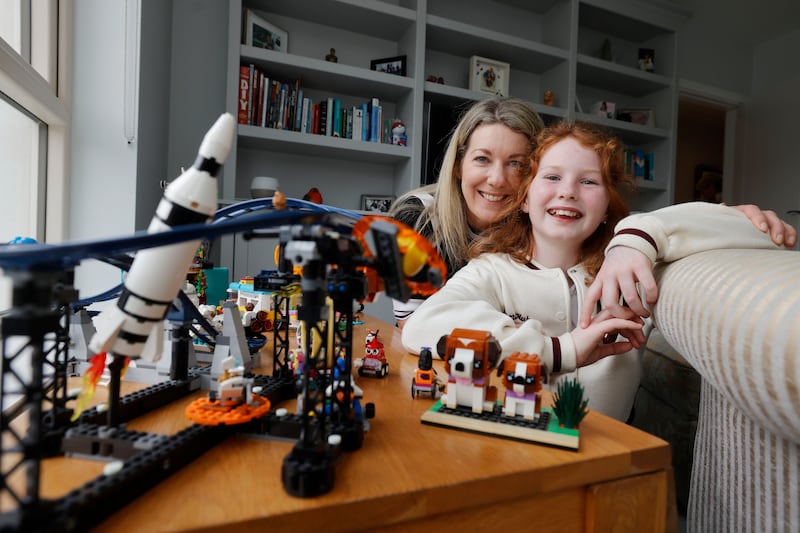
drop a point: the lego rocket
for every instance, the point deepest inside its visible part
(133, 327)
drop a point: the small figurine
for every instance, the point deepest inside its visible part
(371, 335)
(522, 377)
(279, 201)
(549, 98)
(399, 133)
(468, 356)
(248, 317)
(425, 379)
(313, 195)
(332, 56)
(435, 79)
(374, 362)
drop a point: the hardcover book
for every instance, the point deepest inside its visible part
(244, 89)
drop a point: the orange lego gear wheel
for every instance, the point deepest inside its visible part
(210, 413)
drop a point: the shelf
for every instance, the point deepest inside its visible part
(549, 45)
(457, 38)
(618, 78)
(367, 17)
(271, 139)
(631, 134)
(332, 77)
(617, 25)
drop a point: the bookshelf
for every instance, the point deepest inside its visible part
(553, 45)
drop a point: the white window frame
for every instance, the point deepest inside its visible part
(40, 85)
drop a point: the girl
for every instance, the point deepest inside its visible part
(530, 271)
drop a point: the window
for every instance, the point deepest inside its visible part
(33, 118)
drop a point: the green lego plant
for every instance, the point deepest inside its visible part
(569, 405)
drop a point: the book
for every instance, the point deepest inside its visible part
(315, 114)
(329, 117)
(298, 113)
(305, 120)
(365, 121)
(282, 106)
(375, 121)
(244, 89)
(650, 166)
(251, 73)
(323, 117)
(638, 164)
(358, 123)
(336, 129)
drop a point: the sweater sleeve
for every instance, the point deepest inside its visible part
(677, 231)
(472, 299)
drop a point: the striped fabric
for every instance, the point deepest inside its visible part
(735, 316)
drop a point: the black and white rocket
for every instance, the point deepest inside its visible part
(134, 327)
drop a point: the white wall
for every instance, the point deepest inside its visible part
(103, 165)
(772, 135)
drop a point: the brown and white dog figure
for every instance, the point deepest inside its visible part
(522, 377)
(469, 355)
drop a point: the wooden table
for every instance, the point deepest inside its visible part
(407, 475)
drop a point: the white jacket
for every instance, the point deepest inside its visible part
(531, 308)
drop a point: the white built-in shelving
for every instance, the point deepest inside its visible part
(549, 44)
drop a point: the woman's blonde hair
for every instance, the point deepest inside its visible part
(447, 215)
(512, 234)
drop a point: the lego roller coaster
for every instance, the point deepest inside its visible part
(343, 256)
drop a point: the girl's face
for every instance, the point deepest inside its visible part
(567, 199)
(492, 171)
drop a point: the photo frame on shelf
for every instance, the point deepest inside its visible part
(375, 203)
(488, 76)
(643, 117)
(262, 34)
(390, 65)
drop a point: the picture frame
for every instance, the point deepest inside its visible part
(488, 76)
(389, 65)
(262, 34)
(375, 203)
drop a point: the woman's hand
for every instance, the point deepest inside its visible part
(599, 338)
(622, 269)
(769, 222)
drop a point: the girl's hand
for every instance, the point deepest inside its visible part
(592, 342)
(622, 268)
(769, 222)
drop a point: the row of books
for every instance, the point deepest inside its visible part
(640, 164)
(271, 103)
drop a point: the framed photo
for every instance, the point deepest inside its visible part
(376, 204)
(390, 65)
(261, 34)
(488, 76)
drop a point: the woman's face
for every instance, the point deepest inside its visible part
(567, 199)
(492, 171)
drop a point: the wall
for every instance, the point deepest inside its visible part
(103, 164)
(772, 117)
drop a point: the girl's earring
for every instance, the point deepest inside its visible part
(605, 220)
